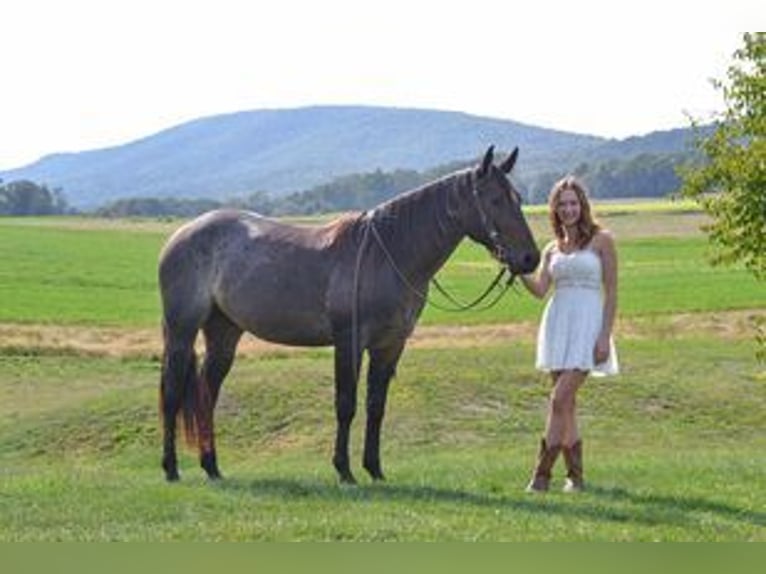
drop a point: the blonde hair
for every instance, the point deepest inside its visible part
(587, 226)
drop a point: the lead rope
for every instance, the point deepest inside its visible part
(355, 303)
(460, 306)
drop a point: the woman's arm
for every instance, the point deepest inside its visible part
(539, 282)
(608, 254)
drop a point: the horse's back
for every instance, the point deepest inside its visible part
(189, 259)
(269, 277)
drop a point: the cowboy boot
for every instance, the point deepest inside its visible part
(546, 458)
(573, 459)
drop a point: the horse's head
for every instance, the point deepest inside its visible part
(497, 220)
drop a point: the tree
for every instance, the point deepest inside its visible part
(25, 197)
(731, 183)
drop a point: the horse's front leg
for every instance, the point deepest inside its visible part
(381, 370)
(346, 377)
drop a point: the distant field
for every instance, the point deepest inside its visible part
(613, 206)
(103, 272)
(63, 274)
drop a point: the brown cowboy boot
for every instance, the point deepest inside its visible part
(573, 460)
(546, 458)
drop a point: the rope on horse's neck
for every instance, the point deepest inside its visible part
(355, 352)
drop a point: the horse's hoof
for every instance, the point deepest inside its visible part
(171, 470)
(375, 472)
(347, 478)
(377, 475)
(209, 463)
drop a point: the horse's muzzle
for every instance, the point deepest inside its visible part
(518, 263)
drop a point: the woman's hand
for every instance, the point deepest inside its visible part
(539, 283)
(601, 350)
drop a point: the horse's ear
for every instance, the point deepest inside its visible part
(510, 161)
(487, 161)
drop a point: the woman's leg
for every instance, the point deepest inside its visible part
(564, 403)
(561, 426)
(560, 429)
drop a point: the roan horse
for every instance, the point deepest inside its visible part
(358, 283)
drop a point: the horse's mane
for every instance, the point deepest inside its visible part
(412, 210)
(423, 212)
(431, 190)
(339, 227)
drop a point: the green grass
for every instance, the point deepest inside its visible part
(48, 265)
(674, 451)
(657, 275)
(674, 446)
(47, 270)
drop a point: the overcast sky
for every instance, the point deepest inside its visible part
(83, 74)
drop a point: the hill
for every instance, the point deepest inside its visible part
(287, 150)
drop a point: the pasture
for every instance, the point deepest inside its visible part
(674, 447)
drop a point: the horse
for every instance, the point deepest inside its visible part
(358, 283)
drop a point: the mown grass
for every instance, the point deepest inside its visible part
(47, 270)
(674, 445)
(674, 451)
(49, 265)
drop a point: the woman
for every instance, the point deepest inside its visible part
(575, 336)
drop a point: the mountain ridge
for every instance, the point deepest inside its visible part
(281, 151)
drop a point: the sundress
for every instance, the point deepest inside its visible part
(572, 318)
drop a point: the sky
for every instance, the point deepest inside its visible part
(85, 74)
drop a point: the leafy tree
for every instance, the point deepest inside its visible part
(731, 184)
(25, 197)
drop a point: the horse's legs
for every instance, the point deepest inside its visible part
(347, 360)
(381, 370)
(179, 371)
(221, 338)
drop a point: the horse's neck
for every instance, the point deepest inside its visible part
(420, 230)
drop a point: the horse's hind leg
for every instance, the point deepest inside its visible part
(221, 338)
(381, 370)
(179, 371)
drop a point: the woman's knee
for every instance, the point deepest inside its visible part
(561, 402)
(563, 393)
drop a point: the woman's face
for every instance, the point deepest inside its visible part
(568, 207)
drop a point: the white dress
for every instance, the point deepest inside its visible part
(572, 318)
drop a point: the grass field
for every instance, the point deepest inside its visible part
(674, 446)
(668, 457)
(49, 264)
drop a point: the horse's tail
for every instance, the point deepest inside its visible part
(189, 402)
(180, 384)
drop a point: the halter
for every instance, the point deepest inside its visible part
(499, 251)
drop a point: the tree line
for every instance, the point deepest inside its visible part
(645, 175)
(24, 197)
